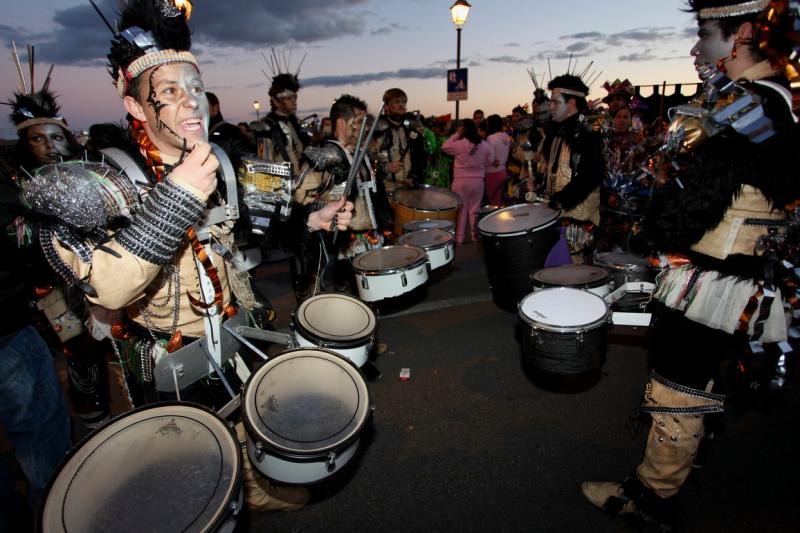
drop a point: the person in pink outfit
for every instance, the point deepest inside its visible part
(497, 174)
(472, 157)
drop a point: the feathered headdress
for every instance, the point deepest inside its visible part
(29, 107)
(149, 33)
(618, 88)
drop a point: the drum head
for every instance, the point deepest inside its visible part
(419, 225)
(622, 261)
(337, 318)
(171, 467)
(305, 402)
(563, 308)
(427, 239)
(572, 276)
(427, 198)
(389, 258)
(517, 218)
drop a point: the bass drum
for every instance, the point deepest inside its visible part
(516, 241)
(304, 411)
(167, 467)
(338, 322)
(424, 202)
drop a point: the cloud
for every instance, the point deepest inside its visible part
(577, 47)
(584, 35)
(638, 56)
(79, 37)
(511, 45)
(507, 59)
(358, 79)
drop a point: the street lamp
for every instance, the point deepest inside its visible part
(459, 12)
(257, 106)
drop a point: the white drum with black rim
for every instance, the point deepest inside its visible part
(304, 411)
(588, 277)
(428, 223)
(438, 245)
(567, 330)
(164, 467)
(337, 322)
(390, 271)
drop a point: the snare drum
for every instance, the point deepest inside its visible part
(419, 225)
(626, 267)
(567, 330)
(390, 271)
(516, 241)
(438, 245)
(168, 467)
(424, 202)
(592, 278)
(338, 322)
(304, 411)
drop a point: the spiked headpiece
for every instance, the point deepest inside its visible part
(283, 81)
(29, 107)
(149, 33)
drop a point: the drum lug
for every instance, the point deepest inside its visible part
(330, 462)
(403, 279)
(536, 336)
(234, 508)
(364, 283)
(447, 254)
(579, 341)
(258, 449)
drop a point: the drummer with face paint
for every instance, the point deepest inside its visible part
(574, 165)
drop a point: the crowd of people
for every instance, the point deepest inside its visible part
(130, 247)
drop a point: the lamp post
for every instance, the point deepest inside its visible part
(459, 12)
(257, 106)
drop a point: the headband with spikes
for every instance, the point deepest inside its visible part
(29, 107)
(574, 75)
(149, 33)
(282, 81)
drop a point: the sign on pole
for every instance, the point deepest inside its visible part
(456, 84)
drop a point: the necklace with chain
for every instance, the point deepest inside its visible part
(171, 275)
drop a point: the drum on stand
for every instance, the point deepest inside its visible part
(420, 225)
(389, 271)
(626, 268)
(424, 202)
(567, 330)
(516, 241)
(164, 467)
(594, 279)
(338, 322)
(438, 245)
(304, 411)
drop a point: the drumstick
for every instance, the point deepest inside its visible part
(358, 157)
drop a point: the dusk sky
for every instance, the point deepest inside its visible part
(362, 47)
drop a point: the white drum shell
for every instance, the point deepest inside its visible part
(440, 252)
(375, 287)
(357, 355)
(297, 472)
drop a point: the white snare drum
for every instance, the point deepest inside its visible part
(338, 322)
(428, 223)
(591, 278)
(169, 467)
(438, 245)
(304, 411)
(567, 330)
(390, 271)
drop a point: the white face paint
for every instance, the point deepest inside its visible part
(285, 105)
(560, 109)
(48, 143)
(711, 45)
(175, 107)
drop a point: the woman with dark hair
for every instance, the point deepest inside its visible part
(472, 156)
(497, 174)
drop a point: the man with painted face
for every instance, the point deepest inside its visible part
(725, 227)
(402, 142)
(283, 139)
(574, 165)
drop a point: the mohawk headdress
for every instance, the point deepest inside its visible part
(539, 96)
(577, 82)
(149, 33)
(283, 81)
(29, 107)
(776, 31)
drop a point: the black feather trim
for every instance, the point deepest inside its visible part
(35, 105)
